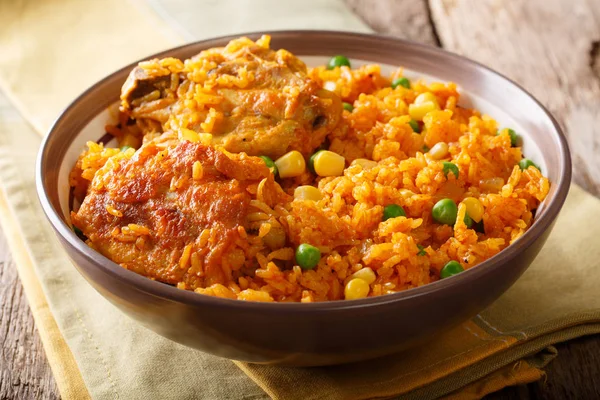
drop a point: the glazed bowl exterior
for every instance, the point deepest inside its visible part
(318, 333)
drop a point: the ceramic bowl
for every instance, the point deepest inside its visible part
(329, 332)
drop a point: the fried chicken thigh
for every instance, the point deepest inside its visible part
(173, 210)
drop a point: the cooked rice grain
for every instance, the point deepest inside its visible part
(346, 224)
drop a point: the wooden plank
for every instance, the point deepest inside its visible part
(405, 19)
(24, 371)
(575, 374)
(550, 47)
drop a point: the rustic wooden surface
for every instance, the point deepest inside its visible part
(551, 47)
(24, 371)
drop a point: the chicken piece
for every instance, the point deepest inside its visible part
(173, 210)
(248, 97)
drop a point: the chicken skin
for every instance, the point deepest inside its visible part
(173, 210)
(247, 97)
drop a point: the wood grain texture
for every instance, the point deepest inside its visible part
(405, 19)
(550, 47)
(24, 371)
(575, 374)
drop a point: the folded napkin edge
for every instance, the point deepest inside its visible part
(36, 125)
(60, 358)
(519, 351)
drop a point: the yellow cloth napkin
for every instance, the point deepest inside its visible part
(53, 49)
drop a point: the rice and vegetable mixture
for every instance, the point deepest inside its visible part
(243, 174)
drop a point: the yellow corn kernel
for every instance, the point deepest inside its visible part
(418, 111)
(291, 164)
(424, 103)
(474, 208)
(491, 184)
(425, 98)
(328, 163)
(188, 134)
(197, 170)
(364, 163)
(308, 192)
(356, 289)
(439, 150)
(366, 274)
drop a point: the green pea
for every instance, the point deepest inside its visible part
(468, 221)
(268, 161)
(451, 268)
(311, 161)
(270, 164)
(393, 211)
(307, 256)
(401, 82)
(338, 61)
(444, 211)
(125, 148)
(514, 138)
(422, 251)
(415, 126)
(348, 107)
(526, 163)
(450, 167)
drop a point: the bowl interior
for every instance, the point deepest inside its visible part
(94, 129)
(480, 88)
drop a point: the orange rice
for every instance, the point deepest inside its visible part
(346, 223)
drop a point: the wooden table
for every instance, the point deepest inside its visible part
(551, 47)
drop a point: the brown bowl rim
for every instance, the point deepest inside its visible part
(171, 293)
